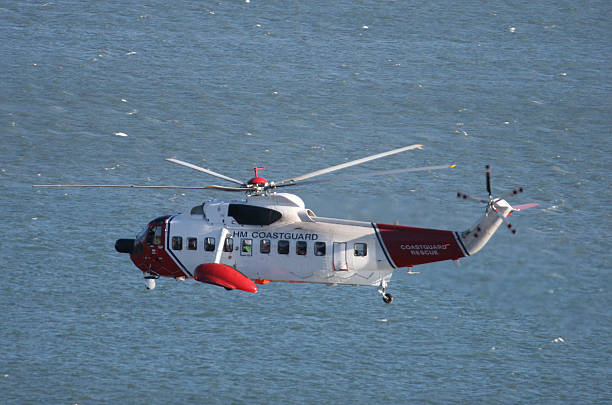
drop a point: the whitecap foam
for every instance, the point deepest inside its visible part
(554, 208)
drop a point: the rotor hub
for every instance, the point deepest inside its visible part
(258, 181)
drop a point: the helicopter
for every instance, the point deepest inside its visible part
(271, 236)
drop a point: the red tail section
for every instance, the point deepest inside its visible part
(407, 246)
(224, 276)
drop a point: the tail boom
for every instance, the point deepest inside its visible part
(407, 246)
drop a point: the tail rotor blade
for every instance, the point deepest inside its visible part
(512, 192)
(470, 198)
(489, 181)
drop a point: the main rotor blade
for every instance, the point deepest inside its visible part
(192, 166)
(348, 164)
(372, 174)
(117, 186)
(225, 188)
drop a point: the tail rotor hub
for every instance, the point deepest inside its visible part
(498, 205)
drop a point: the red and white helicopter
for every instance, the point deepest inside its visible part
(272, 236)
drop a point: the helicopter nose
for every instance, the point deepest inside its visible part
(125, 245)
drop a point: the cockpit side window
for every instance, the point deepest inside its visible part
(154, 235)
(157, 239)
(150, 236)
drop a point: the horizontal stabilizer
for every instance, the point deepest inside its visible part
(521, 207)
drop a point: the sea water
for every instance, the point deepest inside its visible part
(102, 92)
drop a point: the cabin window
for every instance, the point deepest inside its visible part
(246, 247)
(177, 243)
(361, 249)
(319, 249)
(300, 247)
(264, 246)
(192, 244)
(209, 244)
(228, 245)
(283, 247)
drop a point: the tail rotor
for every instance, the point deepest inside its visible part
(489, 182)
(498, 205)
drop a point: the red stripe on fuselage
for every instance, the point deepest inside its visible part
(410, 246)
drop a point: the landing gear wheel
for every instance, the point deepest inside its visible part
(382, 290)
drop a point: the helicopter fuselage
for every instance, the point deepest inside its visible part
(274, 237)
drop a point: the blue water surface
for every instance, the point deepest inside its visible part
(102, 92)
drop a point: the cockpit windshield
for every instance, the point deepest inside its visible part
(141, 235)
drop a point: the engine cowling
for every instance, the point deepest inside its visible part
(224, 276)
